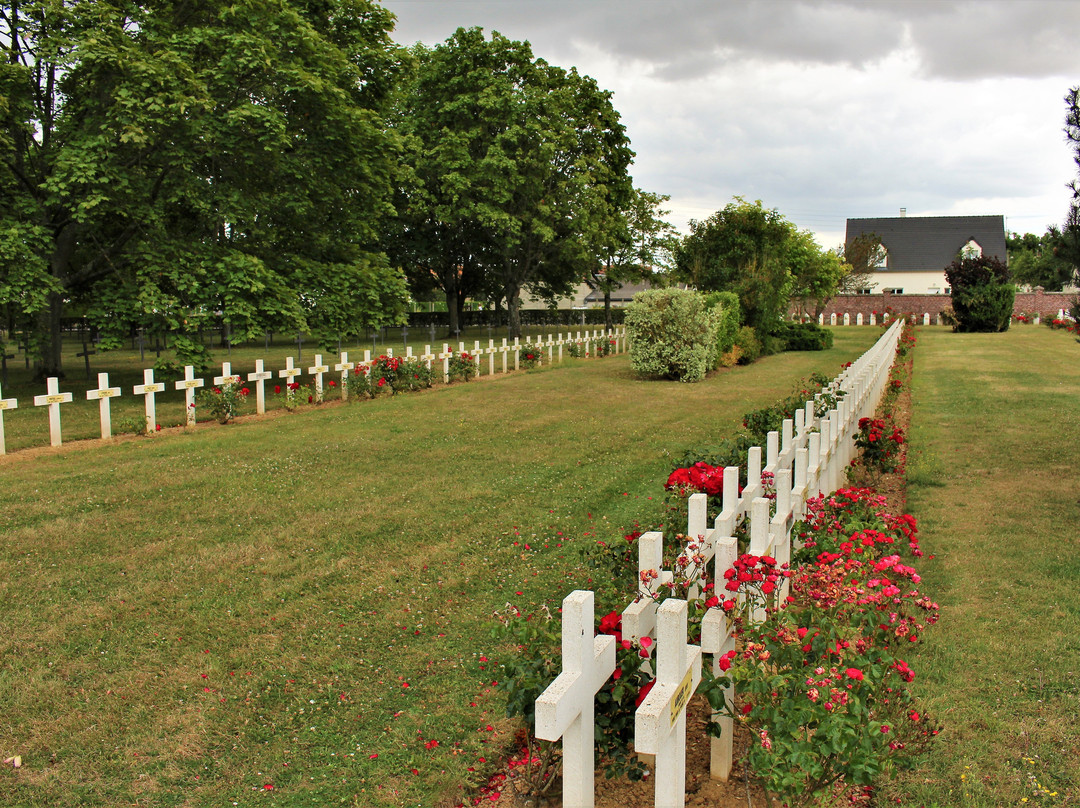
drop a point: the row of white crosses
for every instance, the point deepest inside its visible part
(846, 319)
(800, 457)
(149, 389)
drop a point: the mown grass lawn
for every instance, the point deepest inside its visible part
(995, 486)
(293, 610)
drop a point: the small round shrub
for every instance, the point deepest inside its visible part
(671, 334)
(749, 345)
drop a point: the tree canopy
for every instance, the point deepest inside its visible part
(1070, 243)
(517, 166)
(165, 164)
(744, 248)
(1041, 260)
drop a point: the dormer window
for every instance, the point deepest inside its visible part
(972, 249)
(879, 259)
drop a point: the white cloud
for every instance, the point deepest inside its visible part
(823, 110)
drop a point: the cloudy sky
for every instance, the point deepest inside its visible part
(823, 110)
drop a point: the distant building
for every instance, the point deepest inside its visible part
(918, 248)
(620, 297)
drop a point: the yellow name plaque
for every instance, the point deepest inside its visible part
(682, 696)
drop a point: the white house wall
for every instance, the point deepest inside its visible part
(913, 283)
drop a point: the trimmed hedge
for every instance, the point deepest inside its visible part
(804, 336)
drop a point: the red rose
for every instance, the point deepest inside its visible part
(643, 693)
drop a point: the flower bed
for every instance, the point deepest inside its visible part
(819, 660)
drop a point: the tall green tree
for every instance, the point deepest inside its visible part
(1071, 231)
(1041, 260)
(816, 273)
(743, 248)
(634, 243)
(515, 161)
(166, 163)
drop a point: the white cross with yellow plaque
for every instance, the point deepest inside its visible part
(227, 376)
(149, 388)
(5, 404)
(427, 357)
(445, 356)
(660, 721)
(52, 399)
(104, 394)
(290, 371)
(344, 366)
(476, 355)
(189, 384)
(317, 371)
(260, 377)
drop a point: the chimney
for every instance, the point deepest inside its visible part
(903, 212)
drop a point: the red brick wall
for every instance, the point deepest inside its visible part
(1043, 303)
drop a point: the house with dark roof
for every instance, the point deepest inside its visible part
(916, 249)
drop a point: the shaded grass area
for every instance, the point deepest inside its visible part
(293, 610)
(994, 485)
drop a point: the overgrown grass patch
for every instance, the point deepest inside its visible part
(995, 428)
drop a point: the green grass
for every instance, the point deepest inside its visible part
(192, 616)
(28, 425)
(994, 485)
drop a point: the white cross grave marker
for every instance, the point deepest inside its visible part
(104, 394)
(259, 376)
(639, 618)
(344, 366)
(660, 721)
(317, 371)
(53, 398)
(427, 357)
(445, 356)
(188, 385)
(227, 376)
(289, 372)
(517, 353)
(503, 349)
(565, 709)
(149, 389)
(490, 351)
(5, 404)
(717, 639)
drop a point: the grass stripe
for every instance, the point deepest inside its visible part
(994, 485)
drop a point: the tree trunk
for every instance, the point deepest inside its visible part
(50, 336)
(454, 326)
(513, 313)
(461, 315)
(607, 310)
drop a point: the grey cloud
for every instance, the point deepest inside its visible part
(684, 39)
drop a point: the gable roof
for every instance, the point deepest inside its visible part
(931, 243)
